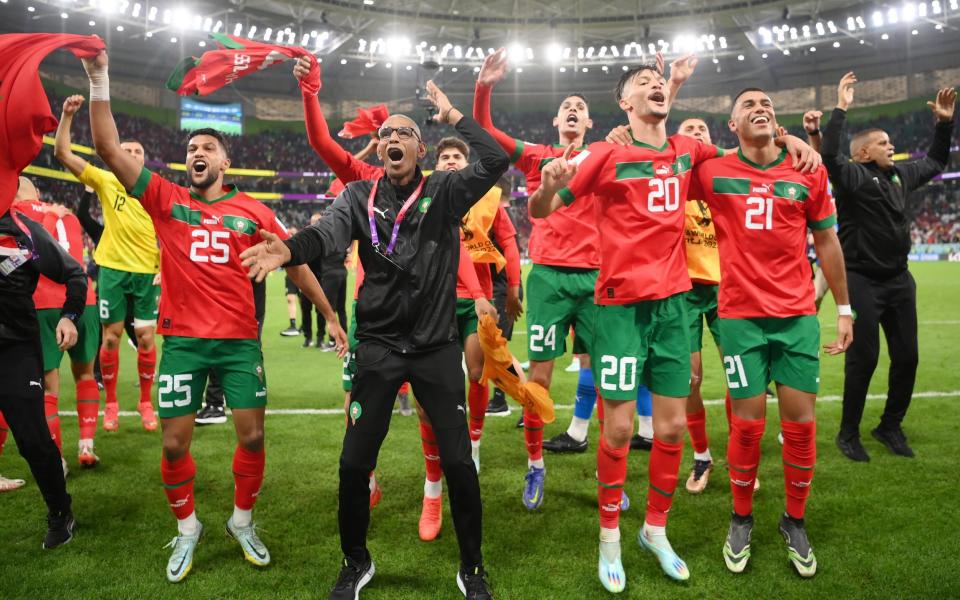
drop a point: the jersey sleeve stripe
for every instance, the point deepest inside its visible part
(517, 151)
(824, 223)
(142, 182)
(566, 195)
(731, 185)
(634, 170)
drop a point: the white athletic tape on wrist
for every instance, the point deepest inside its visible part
(100, 86)
(844, 310)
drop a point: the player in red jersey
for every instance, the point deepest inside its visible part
(641, 331)
(206, 315)
(762, 207)
(49, 296)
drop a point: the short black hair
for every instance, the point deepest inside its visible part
(212, 133)
(744, 91)
(577, 95)
(453, 142)
(629, 74)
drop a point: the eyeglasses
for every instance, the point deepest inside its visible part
(404, 133)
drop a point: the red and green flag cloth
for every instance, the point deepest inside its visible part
(368, 120)
(24, 109)
(235, 58)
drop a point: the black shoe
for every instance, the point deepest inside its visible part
(565, 443)
(851, 447)
(327, 347)
(637, 442)
(290, 332)
(211, 414)
(59, 529)
(353, 577)
(497, 407)
(307, 343)
(474, 585)
(894, 440)
(799, 552)
(520, 421)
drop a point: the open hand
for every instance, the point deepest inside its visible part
(268, 255)
(493, 69)
(844, 336)
(845, 91)
(944, 104)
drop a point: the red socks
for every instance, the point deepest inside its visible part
(247, 477)
(109, 368)
(478, 397)
(799, 457)
(664, 467)
(431, 454)
(146, 363)
(743, 456)
(405, 388)
(611, 474)
(88, 405)
(697, 426)
(533, 434)
(4, 428)
(50, 409)
(178, 484)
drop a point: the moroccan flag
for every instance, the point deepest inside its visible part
(24, 109)
(234, 58)
(368, 120)
(475, 227)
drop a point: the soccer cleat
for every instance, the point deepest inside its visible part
(611, 573)
(59, 529)
(852, 448)
(564, 443)
(403, 399)
(253, 549)
(66, 469)
(736, 549)
(290, 332)
(431, 517)
(474, 585)
(307, 343)
(798, 546)
(8, 485)
(894, 440)
(780, 438)
(211, 414)
(671, 564)
(498, 407)
(533, 487)
(699, 476)
(638, 442)
(520, 421)
(148, 418)
(624, 501)
(353, 576)
(86, 457)
(375, 494)
(111, 418)
(329, 346)
(181, 559)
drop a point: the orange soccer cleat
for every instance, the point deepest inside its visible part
(431, 517)
(147, 417)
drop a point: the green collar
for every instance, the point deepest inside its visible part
(231, 191)
(777, 161)
(564, 147)
(650, 146)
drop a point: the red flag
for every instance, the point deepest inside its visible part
(24, 109)
(235, 58)
(368, 120)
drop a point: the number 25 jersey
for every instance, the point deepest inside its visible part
(204, 290)
(640, 192)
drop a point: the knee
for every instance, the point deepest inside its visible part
(145, 340)
(617, 435)
(111, 340)
(905, 360)
(175, 446)
(252, 440)
(671, 430)
(474, 372)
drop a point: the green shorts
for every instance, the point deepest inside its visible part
(88, 337)
(758, 351)
(186, 363)
(702, 305)
(557, 299)
(650, 338)
(114, 289)
(466, 319)
(350, 360)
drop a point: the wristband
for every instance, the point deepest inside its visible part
(844, 310)
(99, 86)
(72, 317)
(814, 133)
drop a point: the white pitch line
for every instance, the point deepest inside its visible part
(716, 402)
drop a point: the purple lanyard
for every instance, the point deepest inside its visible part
(396, 225)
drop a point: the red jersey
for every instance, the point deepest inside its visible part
(69, 234)
(639, 195)
(762, 214)
(206, 292)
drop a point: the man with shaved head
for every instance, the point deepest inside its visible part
(407, 228)
(872, 193)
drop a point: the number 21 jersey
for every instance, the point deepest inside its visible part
(204, 290)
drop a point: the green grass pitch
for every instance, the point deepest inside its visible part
(887, 529)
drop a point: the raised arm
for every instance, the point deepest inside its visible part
(918, 172)
(61, 148)
(553, 178)
(493, 69)
(106, 140)
(811, 124)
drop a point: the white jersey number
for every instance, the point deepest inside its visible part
(664, 195)
(178, 385)
(760, 213)
(210, 240)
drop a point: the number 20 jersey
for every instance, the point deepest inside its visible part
(762, 213)
(640, 193)
(204, 289)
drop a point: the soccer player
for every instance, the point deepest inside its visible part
(206, 315)
(128, 260)
(872, 204)
(407, 226)
(49, 298)
(762, 207)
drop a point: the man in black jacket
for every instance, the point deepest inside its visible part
(407, 227)
(26, 252)
(871, 194)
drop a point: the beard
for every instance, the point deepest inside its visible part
(208, 178)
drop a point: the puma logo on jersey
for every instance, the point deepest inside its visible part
(381, 212)
(664, 170)
(762, 189)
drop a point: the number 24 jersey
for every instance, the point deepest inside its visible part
(204, 290)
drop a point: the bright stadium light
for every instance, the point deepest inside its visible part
(554, 52)
(120, 28)
(267, 33)
(31, 9)
(152, 15)
(836, 44)
(892, 16)
(832, 26)
(885, 37)
(91, 23)
(202, 44)
(64, 15)
(136, 10)
(252, 31)
(877, 18)
(860, 23)
(305, 39)
(614, 52)
(851, 24)
(909, 12)
(935, 6)
(813, 48)
(238, 29)
(173, 40)
(820, 29)
(922, 9)
(741, 57)
(124, 4)
(515, 52)
(723, 42)
(218, 27)
(207, 24)
(806, 31)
